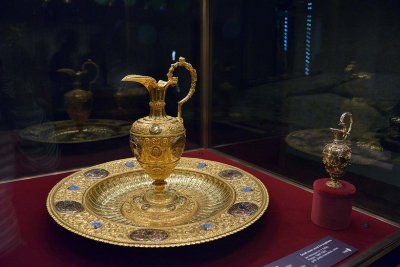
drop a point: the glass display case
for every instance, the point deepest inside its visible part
(284, 71)
(273, 77)
(44, 41)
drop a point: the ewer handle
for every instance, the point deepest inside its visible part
(96, 67)
(346, 129)
(193, 75)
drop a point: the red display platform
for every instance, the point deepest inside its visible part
(332, 207)
(29, 237)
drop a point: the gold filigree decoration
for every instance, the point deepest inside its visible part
(219, 211)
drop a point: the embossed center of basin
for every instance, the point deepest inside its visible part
(122, 198)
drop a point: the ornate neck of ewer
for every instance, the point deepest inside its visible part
(78, 102)
(158, 141)
(337, 154)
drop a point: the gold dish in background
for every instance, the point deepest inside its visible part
(93, 203)
(66, 132)
(312, 141)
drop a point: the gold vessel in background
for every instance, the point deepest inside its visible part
(78, 102)
(336, 155)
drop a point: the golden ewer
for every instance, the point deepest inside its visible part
(158, 141)
(336, 155)
(78, 101)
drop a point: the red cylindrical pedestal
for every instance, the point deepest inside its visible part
(331, 207)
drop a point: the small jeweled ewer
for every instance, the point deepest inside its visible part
(158, 141)
(78, 101)
(336, 155)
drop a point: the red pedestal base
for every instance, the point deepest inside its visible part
(331, 207)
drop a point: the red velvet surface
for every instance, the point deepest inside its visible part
(346, 191)
(332, 207)
(285, 228)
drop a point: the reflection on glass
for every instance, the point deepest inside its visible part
(286, 78)
(285, 31)
(121, 37)
(308, 38)
(78, 101)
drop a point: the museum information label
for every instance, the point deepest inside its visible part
(325, 252)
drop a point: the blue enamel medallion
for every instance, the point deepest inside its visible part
(73, 187)
(201, 165)
(207, 226)
(130, 164)
(96, 224)
(247, 189)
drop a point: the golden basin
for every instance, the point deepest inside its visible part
(92, 203)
